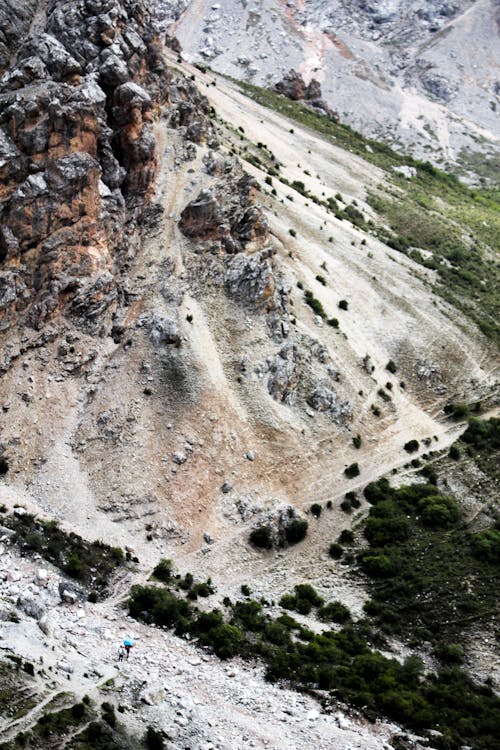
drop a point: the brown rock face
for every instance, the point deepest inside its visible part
(77, 151)
(293, 87)
(227, 213)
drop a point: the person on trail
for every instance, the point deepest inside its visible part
(128, 643)
(121, 653)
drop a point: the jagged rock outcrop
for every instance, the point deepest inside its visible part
(284, 374)
(77, 152)
(293, 86)
(227, 213)
(324, 399)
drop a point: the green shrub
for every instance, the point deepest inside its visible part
(314, 304)
(454, 453)
(438, 511)
(343, 304)
(449, 653)
(157, 605)
(296, 531)
(335, 550)
(486, 545)
(333, 322)
(321, 279)
(261, 537)
(292, 232)
(309, 593)
(346, 505)
(380, 566)
(334, 612)
(391, 366)
(387, 530)
(154, 739)
(411, 446)
(457, 411)
(316, 510)
(483, 434)
(226, 640)
(356, 441)
(163, 570)
(352, 471)
(346, 536)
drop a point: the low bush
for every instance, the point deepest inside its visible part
(391, 366)
(261, 537)
(314, 304)
(343, 304)
(486, 545)
(296, 531)
(352, 471)
(334, 612)
(316, 510)
(335, 550)
(154, 739)
(411, 446)
(91, 563)
(163, 570)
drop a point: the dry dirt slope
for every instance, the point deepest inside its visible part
(91, 433)
(106, 461)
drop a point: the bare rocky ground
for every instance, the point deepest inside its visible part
(424, 75)
(210, 371)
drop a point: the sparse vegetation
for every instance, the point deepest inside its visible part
(314, 304)
(90, 563)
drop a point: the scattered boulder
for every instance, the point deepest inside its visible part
(293, 86)
(70, 592)
(30, 606)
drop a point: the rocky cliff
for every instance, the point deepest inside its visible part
(204, 334)
(78, 152)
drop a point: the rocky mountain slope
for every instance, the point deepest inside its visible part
(419, 75)
(192, 335)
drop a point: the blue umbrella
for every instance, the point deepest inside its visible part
(128, 642)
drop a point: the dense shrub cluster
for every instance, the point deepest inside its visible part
(418, 551)
(341, 661)
(352, 471)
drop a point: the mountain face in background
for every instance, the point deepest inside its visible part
(248, 404)
(424, 76)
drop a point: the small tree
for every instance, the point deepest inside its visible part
(163, 571)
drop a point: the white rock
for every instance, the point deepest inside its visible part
(41, 576)
(45, 626)
(312, 715)
(65, 666)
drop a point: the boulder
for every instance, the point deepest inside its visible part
(30, 606)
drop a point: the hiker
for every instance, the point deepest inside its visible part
(121, 653)
(128, 643)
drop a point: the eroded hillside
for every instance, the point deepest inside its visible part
(199, 335)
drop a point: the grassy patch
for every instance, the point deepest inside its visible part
(429, 579)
